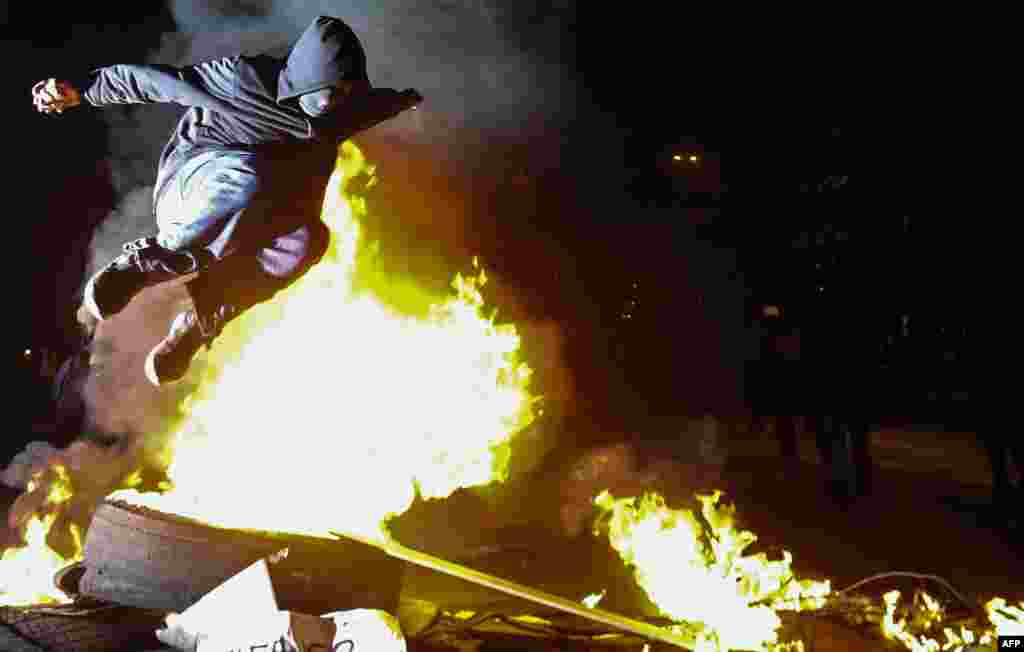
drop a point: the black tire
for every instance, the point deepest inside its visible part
(143, 558)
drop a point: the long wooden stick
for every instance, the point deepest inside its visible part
(644, 630)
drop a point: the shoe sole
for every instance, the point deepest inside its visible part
(150, 369)
(89, 298)
(150, 365)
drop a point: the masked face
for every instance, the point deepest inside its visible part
(320, 103)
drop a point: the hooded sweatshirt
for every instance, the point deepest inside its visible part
(250, 103)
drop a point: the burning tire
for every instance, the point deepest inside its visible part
(139, 557)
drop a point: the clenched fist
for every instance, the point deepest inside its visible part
(55, 96)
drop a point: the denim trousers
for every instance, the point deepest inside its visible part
(217, 202)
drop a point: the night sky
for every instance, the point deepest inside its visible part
(546, 146)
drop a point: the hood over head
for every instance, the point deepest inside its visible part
(327, 52)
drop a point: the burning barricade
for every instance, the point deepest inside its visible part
(328, 411)
(372, 403)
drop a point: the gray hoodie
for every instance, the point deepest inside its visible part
(250, 103)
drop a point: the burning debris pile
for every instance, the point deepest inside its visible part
(328, 411)
(693, 568)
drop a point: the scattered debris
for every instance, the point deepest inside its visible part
(242, 613)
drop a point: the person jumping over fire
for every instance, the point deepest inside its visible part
(241, 180)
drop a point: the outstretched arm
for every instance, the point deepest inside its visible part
(369, 110)
(203, 85)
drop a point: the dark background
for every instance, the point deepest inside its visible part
(654, 268)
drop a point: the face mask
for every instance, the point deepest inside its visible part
(320, 103)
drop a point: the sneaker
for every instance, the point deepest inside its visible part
(142, 264)
(170, 359)
(86, 323)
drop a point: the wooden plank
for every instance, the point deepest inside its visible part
(615, 621)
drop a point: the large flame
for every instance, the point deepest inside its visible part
(692, 568)
(27, 572)
(329, 410)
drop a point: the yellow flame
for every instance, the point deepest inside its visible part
(528, 619)
(897, 630)
(693, 569)
(326, 409)
(1004, 620)
(1007, 619)
(60, 490)
(27, 572)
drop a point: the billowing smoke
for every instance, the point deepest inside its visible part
(487, 69)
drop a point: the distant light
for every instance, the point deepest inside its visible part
(693, 159)
(28, 353)
(678, 157)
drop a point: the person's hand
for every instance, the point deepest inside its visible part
(55, 96)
